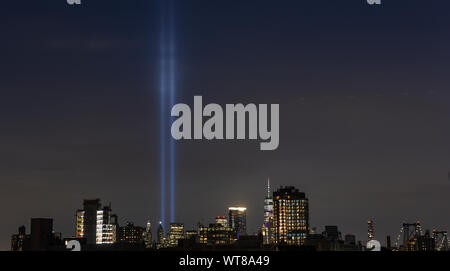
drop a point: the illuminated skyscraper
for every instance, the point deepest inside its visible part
(176, 232)
(98, 225)
(370, 230)
(267, 229)
(291, 216)
(237, 220)
(148, 235)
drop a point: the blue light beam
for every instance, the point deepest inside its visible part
(167, 99)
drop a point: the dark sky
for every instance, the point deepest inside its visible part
(363, 94)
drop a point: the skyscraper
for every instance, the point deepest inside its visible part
(291, 216)
(130, 234)
(41, 234)
(98, 225)
(148, 235)
(19, 240)
(176, 232)
(237, 220)
(267, 229)
(222, 220)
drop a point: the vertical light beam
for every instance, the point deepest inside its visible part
(167, 99)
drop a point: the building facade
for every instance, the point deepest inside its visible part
(176, 232)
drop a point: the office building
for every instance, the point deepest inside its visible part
(148, 235)
(291, 216)
(130, 234)
(267, 228)
(176, 232)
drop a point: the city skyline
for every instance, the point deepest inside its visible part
(295, 229)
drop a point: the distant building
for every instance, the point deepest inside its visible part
(176, 232)
(191, 235)
(291, 216)
(98, 225)
(426, 242)
(388, 242)
(130, 234)
(267, 228)
(20, 241)
(148, 235)
(350, 240)
(217, 234)
(237, 220)
(222, 220)
(41, 238)
(42, 235)
(332, 233)
(161, 240)
(370, 230)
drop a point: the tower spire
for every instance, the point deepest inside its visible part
(268, 187)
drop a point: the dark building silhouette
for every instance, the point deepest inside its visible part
(332, 233)
(42, 236)
(216, 235)
(426, 242)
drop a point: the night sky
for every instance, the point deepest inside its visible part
(363, 94)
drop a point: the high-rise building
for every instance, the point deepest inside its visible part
(148, 235)
(291, 216)
(161, 241)
(222, 220)
(191, 235)
(237, 220)
(370, 230)
(130, 234)
(98, 225)
(176, 232)
(267, 229)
